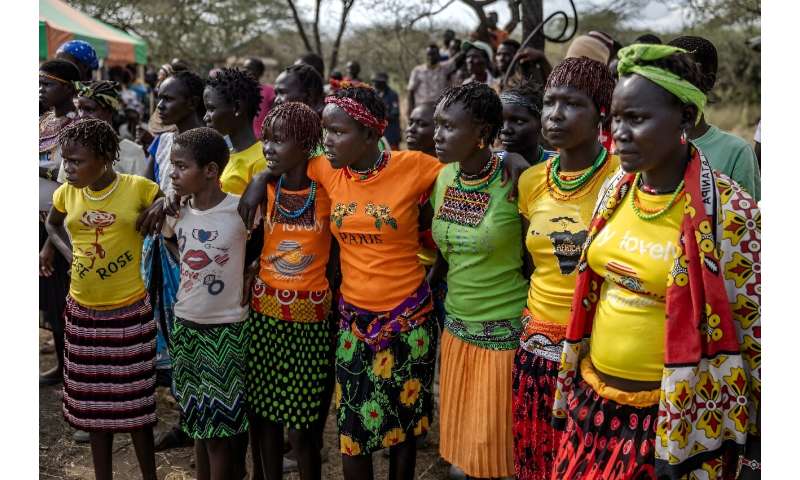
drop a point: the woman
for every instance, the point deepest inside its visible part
(288, 381)
(56, 90)
(232, 98)
(478, 232)
(522, 110)
(419, 133)
(556, 199)
(671, 239)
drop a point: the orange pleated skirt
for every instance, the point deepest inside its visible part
(475, 408)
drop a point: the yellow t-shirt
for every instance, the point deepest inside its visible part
(241, 168)
(555, 237)
(106, 248)
(634, 257)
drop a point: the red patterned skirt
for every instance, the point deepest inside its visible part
(110, 367)
(534, 384)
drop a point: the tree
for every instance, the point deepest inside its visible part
(202, 32)
(347, 6)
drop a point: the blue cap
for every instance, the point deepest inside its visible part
(82, 51)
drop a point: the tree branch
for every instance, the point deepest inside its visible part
(299, 24)
(317, 40)
(346, 6)
(429, 14)
(514, 6)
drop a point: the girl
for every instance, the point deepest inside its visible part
(478, 233)
(232, 98)
(291, 301)
(522, 109)
(210, 337)
(109, 353)
(56, 89)
(660, 373)
(556, 201)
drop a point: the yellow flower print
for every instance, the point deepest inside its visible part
(687, 206)
(681, 400)
(338, 394)
(740, 269)
(710, 420)
(341, 210)
(725, 190)
(751, 351)
(348, 446)
(745, 311)
(422, 426)
(410, 392)
(383, 363)
(382, 215)
(394, 437)
(737, 386)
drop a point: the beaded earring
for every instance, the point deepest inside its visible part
(683, 137)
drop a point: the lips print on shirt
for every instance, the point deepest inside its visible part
(196, 259)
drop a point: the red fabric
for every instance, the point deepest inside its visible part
(426, 239)
(358, 112)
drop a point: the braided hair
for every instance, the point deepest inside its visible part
(238, 85)
(588, 76)
(704, 53)
(479, 100)
(96, 135)
(309, 78)
(204, 145)
(104, 92)
(194, 86)
(366, 96)
(300, 124)
(530, 93)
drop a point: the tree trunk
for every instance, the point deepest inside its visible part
(532, 16)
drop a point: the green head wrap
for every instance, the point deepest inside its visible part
(629, 62)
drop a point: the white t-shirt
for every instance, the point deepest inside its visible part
(211, 245)
(131, 159)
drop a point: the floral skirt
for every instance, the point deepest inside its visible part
(384, 398)
(208, 366)
(609, 440)
(535, 440)
(287, 370)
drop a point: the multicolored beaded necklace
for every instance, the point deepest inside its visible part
(363, 175)
(649, 215)
(481, 180)
(293, 214)
(580, 181)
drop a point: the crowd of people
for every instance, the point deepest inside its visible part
(571, 252)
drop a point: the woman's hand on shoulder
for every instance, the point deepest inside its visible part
(152, 218)
(253, 197)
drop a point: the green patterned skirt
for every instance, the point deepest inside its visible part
(385, 398)
(288, 366)
(208, 364)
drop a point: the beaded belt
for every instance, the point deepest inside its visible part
(291, 305)
(377, 329)
(542, 338)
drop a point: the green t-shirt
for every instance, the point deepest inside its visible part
(486, 291)
(732, 156)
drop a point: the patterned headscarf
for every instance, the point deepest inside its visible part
(104, 92)
(82, 51)
(358, 112)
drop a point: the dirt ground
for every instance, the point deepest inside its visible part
(62, 458)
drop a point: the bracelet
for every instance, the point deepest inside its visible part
(754, 465)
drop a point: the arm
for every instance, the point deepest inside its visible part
(513, 166)
(58, 234)
(46, 258)
(252, 261)
(254, 195)
(151, 219)
(527, 261)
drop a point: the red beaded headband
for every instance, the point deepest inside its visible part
(358, 112)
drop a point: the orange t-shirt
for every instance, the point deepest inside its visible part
(376, 222)
(295, 253)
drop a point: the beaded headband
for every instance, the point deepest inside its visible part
(358, 112)
(53, 77)
(517, 99)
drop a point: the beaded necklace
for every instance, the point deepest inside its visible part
(577, 183)
(649, 215)
(490, 172)
(293, 214)
(86, 194)
(556, 194)
(372, 172)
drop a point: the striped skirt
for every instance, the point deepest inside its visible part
(109, 367)
(475, 417)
